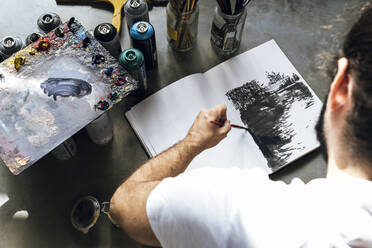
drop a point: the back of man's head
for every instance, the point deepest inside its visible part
(358, 50)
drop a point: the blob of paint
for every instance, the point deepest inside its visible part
(59, 32)
(19, 61)
(32, 51)
(114, 96)
(43, 44)
(66, 87)
(98, 59)
(121, 81)
(102, 105)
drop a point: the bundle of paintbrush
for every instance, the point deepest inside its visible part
(232, 7)
(182, 23)
(228, 26)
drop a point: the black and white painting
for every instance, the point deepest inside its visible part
(266, 108)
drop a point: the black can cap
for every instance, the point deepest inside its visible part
(105, 32)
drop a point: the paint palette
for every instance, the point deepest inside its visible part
(52, 89)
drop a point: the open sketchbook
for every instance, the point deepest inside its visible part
(262, 90)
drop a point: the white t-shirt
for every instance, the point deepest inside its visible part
(214, 208)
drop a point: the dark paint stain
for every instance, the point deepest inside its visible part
(59, 32)
(265, 110)
(98, 59)
(72, 25)
(86, 41)
(66, 87)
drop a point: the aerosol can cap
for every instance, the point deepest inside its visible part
(105, 32)
(135, 4)
(9, 42)
(142, 28)
(131, 59)
(47, 18)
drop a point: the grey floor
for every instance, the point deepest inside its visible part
(309, 32)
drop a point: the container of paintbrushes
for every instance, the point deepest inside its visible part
(228, 26)
(182, 24)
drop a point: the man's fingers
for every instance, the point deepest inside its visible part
(219, 112)
(222, 111)
(226, 127)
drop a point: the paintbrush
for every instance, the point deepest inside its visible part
(220, 123)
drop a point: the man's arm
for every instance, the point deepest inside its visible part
(128, 204)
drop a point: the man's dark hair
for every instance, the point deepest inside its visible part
(357, 49)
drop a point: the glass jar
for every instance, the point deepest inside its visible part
(182, 27)
(226, 32)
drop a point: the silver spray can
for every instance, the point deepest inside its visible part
(100, 130)
(108, 36)
(135, 11)
(48, 21)
(31, 38)
(66, 150)
(10, 45)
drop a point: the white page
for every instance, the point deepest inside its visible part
(164, 118)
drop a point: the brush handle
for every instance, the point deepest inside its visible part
(116, 18)
(220, 123)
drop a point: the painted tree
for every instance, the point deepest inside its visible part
(264, 109)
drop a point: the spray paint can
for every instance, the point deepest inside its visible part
(10, 45)
(135, 11)
(142, 35)
(100, 130)
(66, 150)
(133, 61)
(48, 21)
(108, 36)
(31, 38)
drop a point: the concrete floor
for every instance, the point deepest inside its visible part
(309, 32)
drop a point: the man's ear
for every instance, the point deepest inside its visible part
(340, 91)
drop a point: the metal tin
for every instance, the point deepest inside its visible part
(108, 36)
(134, 62)
(48, 21)
(86, 211)
(10, 45)
(31, 38)
(100, 130)
(142, 35)
(135, 11)
(66, 150)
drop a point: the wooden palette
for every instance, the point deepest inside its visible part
(117, 4)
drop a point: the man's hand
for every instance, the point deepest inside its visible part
(205, 134)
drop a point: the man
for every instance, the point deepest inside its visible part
(209, 207)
